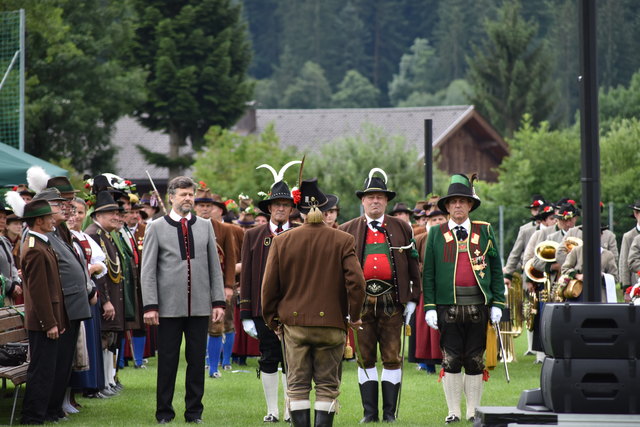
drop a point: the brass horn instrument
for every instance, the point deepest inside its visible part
(546, 251)
(531, 303)
(572, 242)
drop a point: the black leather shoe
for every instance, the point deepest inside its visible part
(369, 395)
(195, 421)
(389, 401)
(451, 419)
(164, 421)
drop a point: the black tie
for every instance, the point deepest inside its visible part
(376, 225)
(461, 233)
(279, 229)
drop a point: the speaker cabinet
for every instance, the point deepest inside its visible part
(591, 331)
(592, 386)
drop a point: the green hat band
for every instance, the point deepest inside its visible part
(460, 179)
(44, 210)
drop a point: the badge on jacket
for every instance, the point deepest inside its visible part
(267, 241)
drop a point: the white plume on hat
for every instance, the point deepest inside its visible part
(16, 202)
(37, 178)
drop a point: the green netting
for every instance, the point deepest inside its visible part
(10, 73)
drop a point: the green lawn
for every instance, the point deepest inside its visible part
(236, 399)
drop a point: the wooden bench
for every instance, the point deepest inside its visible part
(12, 331)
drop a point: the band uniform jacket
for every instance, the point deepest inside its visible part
(312, 278)
(255, 249)
(227, 251)
(440, 264)
(573, 264)
(633, 259)
(628, 277)
(514, 261)
(406, 266)
(43, 298)
(107, 289)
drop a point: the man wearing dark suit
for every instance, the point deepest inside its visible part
(181, 288)
(255, 248)
(313, 300)
(384, 246)
(74, 279)
(45, 314)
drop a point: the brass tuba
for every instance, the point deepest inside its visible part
(532, 274)
(531, 303)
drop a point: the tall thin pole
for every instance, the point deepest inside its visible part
(428, 156)
(590, 153)
(22, 71)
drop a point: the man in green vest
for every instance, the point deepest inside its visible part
(463, 288)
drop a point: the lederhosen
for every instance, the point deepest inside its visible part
(382, 313)
(463, 325)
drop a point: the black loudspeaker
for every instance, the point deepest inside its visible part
(591, 386)
(591, 331)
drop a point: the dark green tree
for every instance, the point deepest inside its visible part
(416, 72)
(196, 54)
(355, 91)
(77, 85)
(510, 73)
(309, 90)
(620, 102)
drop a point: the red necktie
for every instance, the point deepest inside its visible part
(185, 236)
(279, 229)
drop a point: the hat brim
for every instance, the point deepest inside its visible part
(107, 208)
(390, 194)
(332, 201)
(442, 203)
(407, 211)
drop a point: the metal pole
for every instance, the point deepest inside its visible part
(590, 153)
(22, 71)
(428, 156)
(611, 216)
(501, 231)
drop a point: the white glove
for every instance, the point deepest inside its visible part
(496, 314)
(431, 317)
(249, 327)
(408, 311)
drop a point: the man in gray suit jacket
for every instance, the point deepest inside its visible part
(181, 287)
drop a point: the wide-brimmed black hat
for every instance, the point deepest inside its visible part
(399, 208)
(279, 190)
(36, 208)
(546, 210)
(567, 211)
(311, 195)
(460, 186)
(7, 210)
(204, 195)
(105, 203)
(636, 205)
(23, 189)
(536, 201)
(374, 184)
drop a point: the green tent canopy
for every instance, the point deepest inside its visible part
(14, 164)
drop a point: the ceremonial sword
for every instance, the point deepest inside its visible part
(496, 325)
(359, 360)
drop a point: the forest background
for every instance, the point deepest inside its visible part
(189, 68)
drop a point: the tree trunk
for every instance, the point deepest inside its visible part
(175, 141)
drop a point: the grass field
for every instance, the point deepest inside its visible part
(236, 399)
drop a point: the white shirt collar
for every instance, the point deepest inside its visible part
(369, 219)
(273, 227)
(174, 216)
(466, 225)
(40, 235)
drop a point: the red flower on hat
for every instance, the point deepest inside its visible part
(295, 193)
(202, 184)
(536, 203)
(15, 188)
(226, 202)
(126, 181)
(571, 202)
(87, 185)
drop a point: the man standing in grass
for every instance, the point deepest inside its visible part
(181, 287)
(463, 289)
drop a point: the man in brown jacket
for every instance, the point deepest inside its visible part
(312, 284)
(45, 315)
(386, 250)
(210, 206)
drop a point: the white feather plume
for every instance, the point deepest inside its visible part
(273, 171)
(374, 170)
(37, 178)
(16, 202)
(283, 169)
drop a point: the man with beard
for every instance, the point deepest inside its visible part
(181, 288)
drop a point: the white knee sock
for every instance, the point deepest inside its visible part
(270, 387)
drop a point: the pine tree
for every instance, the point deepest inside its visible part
(196, 54)
(510, 74)
(309, 90)
(355, 91)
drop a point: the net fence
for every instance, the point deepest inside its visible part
(11, 71)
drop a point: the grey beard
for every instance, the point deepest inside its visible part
(183, 210)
